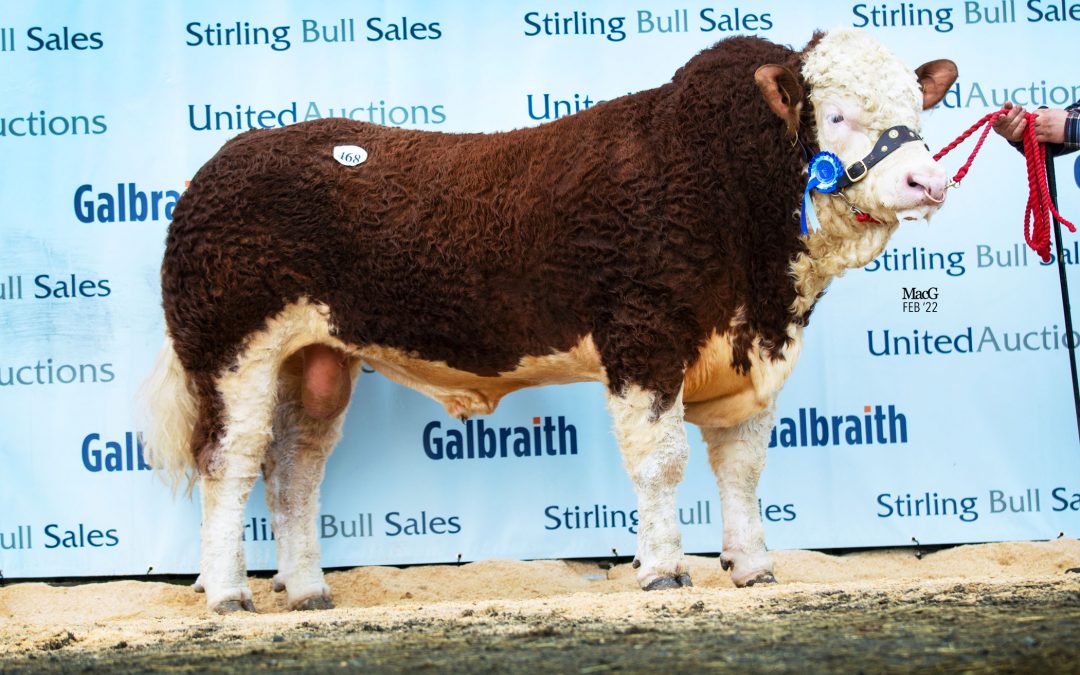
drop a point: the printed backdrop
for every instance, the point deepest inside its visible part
(956, 419)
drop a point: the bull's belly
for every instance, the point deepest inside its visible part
(464, 394)
(714, 393)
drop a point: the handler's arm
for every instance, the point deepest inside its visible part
(1058, 129)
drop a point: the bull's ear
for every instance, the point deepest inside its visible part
(782, 92)
(935, 78)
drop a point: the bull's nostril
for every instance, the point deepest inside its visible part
(920, 183)
(930, 187)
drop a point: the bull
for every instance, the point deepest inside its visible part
(651, 243)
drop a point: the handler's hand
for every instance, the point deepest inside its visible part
(1011, 125)
(1050, 125)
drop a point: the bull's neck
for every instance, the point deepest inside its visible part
(841, 243)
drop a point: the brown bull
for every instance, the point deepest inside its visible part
(651, 243)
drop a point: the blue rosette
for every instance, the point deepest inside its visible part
(823, 175)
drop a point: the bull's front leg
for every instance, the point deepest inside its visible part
(737, 457)
(654, 448)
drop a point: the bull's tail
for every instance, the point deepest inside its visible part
(169, 408)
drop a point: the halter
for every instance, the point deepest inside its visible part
(889, 141)
(827, 174)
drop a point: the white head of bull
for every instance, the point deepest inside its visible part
(866, 106)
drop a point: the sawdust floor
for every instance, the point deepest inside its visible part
(1007, 607)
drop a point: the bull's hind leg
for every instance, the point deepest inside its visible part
(655, 451)
(313, 392)
(737, 457)
(247, 396)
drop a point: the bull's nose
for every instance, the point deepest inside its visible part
(926, 186)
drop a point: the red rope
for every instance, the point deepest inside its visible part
(1040, 207)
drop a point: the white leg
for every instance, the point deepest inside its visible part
(247, 396)
(294, 472)
(654, 450)
(223, 570)
(737, 457)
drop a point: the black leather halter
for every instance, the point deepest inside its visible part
(886, 144)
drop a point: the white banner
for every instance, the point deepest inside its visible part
(944, 420)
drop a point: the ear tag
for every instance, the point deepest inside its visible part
(350, 155)
(823, 175)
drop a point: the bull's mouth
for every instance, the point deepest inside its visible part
(914, 208)
(920, 212)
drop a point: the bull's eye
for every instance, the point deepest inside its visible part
(836, 119)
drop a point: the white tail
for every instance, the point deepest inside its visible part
(168, 409)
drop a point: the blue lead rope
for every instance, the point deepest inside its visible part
(824, 172)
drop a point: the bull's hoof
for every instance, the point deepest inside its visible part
(231, 606)
(197, 586)
(277, 584)
(662, 584)
(761, 579)
(665, 583)
(748, 568)
(313, 603)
